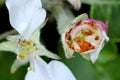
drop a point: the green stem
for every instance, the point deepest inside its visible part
(64, 17)
(62, 14)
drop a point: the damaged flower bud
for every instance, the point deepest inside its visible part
(86, 36)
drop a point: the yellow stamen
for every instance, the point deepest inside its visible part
(26, 48)
(36, 57)
(31, 68)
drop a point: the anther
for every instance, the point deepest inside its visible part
(31, 68)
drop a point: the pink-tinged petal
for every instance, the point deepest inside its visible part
(99, 23)
(39, 71)
(25, 16)
(59, 71)
(103, 26)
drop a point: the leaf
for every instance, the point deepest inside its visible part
(6, 59)
(110, 2)
(1, 2)
(109, 53)
(109, 70)
(113, 69)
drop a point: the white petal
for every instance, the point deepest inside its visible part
(35, 37)
(106, 37)
(94, 54)
(55, 70)
(59, 71)
(25, 14)
(68, 51)
(37, 19)
(40, 72)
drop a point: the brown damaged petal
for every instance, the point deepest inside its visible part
(83, 37)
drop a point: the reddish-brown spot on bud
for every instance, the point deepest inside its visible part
(67, 35)
(92, 24)
(78, 23)
(89, 32)
(97, 38)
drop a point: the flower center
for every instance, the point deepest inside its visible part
(26, 48)
(83, 37)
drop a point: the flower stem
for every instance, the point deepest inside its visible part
(61, 12)
(64, 17)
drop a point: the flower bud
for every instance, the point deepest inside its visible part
(86, 36)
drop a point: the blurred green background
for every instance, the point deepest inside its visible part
(107, 67)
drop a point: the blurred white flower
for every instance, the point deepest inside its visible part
(76, 4)
(86, 36)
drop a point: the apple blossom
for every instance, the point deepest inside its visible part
(86, 36)
(27, 17)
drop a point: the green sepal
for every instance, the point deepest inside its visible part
(9, 46)
(18, 63)
(36, 35)
(80, 17)
(44, 52)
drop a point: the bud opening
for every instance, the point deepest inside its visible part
(84, 36)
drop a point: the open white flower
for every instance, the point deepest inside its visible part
(26, 16)
(86, 36)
